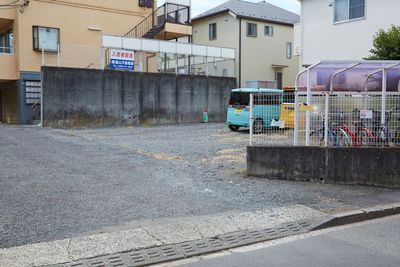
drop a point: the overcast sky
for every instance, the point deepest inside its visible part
(199, 6)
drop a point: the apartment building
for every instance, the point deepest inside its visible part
(342, 29)
(262, 35)
(46, 32)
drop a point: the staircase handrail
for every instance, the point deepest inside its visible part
(152, 20)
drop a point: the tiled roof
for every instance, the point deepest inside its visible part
(259, 11)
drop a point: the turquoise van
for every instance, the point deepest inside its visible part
(267, 107)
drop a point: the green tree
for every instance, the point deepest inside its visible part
(386, 45)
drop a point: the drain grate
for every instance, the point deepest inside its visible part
(166, 253)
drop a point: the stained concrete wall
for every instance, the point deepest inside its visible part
(96, 98)
(364, 166)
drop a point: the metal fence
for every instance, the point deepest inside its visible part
(95, 57)
(153, 24)
(6, 50)
(347, 119)
(272, 117)
(195, 65)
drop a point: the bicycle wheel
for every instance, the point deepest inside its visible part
(317, 136)
(383, 137)
(364, 139)
(397, 138)
(343, 139)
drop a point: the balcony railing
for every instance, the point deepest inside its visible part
(170, 13)
(6, 50)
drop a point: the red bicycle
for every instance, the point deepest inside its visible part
(362, 135)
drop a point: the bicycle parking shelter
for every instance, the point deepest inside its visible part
(354, 100)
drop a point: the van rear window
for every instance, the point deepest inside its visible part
(242, 99)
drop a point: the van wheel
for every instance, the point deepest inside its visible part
(258, 126)
(233, 128)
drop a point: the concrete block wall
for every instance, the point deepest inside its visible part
(96, 98)
(362, 166)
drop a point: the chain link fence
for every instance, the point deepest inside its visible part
(272, 117)
(330, 119)
(354, 120)
(337, 104)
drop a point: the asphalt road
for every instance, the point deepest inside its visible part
(374, 244)
(58, 184)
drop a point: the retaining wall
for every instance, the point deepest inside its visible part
(97, 98)
(364, 166)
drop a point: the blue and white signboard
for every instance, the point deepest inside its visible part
(122, 59)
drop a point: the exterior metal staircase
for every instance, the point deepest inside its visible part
(153, 25)
(153, 32)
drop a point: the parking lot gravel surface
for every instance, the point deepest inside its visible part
(58, 184)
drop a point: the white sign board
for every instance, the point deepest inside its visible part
(366, 114)
(122, 59)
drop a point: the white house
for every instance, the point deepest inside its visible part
(341, 29)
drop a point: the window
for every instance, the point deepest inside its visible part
(46, 39)
(279, 79)
(289, 50)
(146, 3)
(268, 99)
(288, 97)
(224, 72)
(251, 29)
(243, 99)
(6, 42)
(239, 99)
(212, 31)
(269, 30)
(349, 9)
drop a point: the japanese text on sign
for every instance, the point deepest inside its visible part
(122, 59)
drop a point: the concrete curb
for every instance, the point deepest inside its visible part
(71, 250)
(361, 215)
(150, 236)
(229, 241)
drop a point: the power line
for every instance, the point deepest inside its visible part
(90, 7)
(12, 4)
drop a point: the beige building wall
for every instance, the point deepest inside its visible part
(8, 63)
(7, 13)
(81, 24)
(258, 54)
(74, 18)
(8, 67)
(227, 33)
